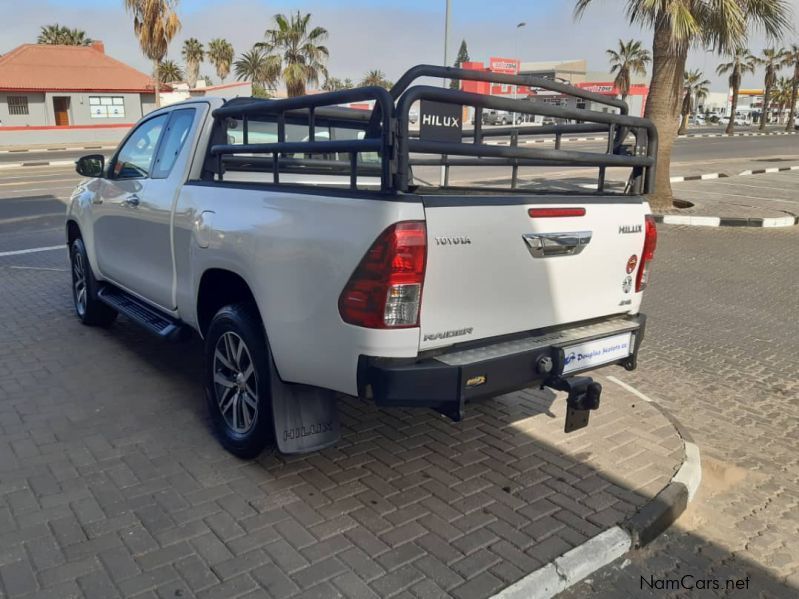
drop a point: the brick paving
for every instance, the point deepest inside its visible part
(112, 485)
(722, 346)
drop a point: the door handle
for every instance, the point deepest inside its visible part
(132, 200)
(543, 245)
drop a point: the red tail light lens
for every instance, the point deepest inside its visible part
(648, 253)
(385, 291)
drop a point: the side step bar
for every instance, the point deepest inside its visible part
(148, 317)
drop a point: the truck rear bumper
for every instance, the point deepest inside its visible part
(446, 381)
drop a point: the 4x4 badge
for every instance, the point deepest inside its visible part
(627, 286)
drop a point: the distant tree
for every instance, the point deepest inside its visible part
(696, 88)
(207, 79)
(631, 58)
(220, 53)
(170, 71)
(782, 96)
(333, 84)
(193, 54)
(57, 34)
(258, 67)
(298, 48)
(792, 59)
(463, 56)
(742, 62)
(259, 91)
(155, 23)
(773, 59)
(376, 77)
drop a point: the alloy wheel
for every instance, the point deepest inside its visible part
(79, 282)
(235, 383)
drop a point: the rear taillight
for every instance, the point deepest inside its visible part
(648, 253)
(385, 291)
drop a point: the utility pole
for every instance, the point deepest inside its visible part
(446, 38)
(519, 26)
(443, 175)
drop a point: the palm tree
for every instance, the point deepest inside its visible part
(377, 78)
(782, 96)
(696, 88)
(57, 34)
(742, 62)
(299, 50)
(77, 37)
(772, 59)
(170, 71)
(721, 26)
(257, 66)
(220, 53)
(193, 54)
(630, 59)
(155, 23)
(332, 84)
(792, 58)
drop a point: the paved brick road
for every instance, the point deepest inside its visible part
(722, 350)
(111, 484)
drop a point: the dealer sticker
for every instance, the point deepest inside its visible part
(597, 352)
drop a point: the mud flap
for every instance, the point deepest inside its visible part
(305, 418)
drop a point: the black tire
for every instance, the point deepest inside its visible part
(242, 423)
(88, 307)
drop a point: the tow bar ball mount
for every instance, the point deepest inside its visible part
(584, 394)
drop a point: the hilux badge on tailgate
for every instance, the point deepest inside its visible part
(627, 229)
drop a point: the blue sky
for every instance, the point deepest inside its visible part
(365, 34)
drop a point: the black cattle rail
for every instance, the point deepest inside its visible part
(312, 109)
(386, 131)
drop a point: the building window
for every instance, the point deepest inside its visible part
(18, 105)
(105, 107)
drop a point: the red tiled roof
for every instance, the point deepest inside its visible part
(40, 67)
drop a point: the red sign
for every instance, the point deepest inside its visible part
(509, 66)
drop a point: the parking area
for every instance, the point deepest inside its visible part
(113, 485)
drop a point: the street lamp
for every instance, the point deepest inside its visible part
(518, 69)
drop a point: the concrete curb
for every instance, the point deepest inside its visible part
(38, 163)
(705, 177)
(761, 171)
(744, 134)
(66, 149)
(638, 530)
(717, 221)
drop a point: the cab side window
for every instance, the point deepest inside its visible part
(136, 157)
(173, 139)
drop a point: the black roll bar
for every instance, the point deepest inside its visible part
(450, 96)
(387, 132)
(382, 141)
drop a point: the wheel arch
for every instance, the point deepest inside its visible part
(72, 231)
(219, 287)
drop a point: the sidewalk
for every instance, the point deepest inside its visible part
(763, 197)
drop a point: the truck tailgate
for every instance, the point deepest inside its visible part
(502, 265)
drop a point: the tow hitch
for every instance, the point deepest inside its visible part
(584, 394)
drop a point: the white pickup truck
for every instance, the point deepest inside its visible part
(294, 237)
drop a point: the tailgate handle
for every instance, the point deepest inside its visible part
(543, 245)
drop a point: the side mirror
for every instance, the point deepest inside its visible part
(91, 165)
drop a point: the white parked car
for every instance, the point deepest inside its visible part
(313, 266)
